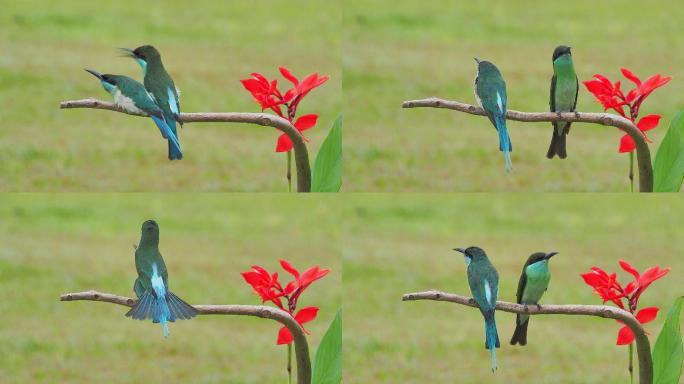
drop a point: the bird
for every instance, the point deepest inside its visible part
(132, 97)
(155, 300)
(484, 285)
(563, 98)
(490, 92)
(534, 280)
(160, 85)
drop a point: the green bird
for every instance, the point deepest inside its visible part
(534, 281)
(564, 90)
(156, 301)
(160, 85)
(484, 285)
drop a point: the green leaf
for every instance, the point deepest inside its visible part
(327, 367)
(668, 352)
(668, 169)
(327, 172)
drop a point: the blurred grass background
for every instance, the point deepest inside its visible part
(57, 243)
(400, 244)
(401, 50)
(206, 46)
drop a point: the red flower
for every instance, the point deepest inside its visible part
(607, 286)
(267, 94)
(611, 97)
(268, 287)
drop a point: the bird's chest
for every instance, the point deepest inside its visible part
(566, 89)
(537, 282)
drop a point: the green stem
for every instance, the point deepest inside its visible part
(631, 171)
(631, 366)
(289, 361)
(289, 171)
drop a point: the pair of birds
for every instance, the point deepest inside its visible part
(158, 97)
(490, 92)
(483, 280)
(155, 300)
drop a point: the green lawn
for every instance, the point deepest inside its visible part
(401, 50)
(400, 244)
(52, 244)
(206, 47)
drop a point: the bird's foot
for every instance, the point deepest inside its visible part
(538, 307)
(577, 115)
(559, 114)
(526, 308)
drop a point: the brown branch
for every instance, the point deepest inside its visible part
(643, 345)
(643, 152)
(301, 345)
(301, 153)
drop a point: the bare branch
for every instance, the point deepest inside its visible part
(643, 345)
(643, 152)
(300, 151)
(301, 345)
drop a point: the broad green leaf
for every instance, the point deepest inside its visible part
(327, 367)
(668, 352)
(327, 172)
(668, 169)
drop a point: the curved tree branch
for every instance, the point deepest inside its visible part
(301, 345)
(643, 345)
(300, 151)
(643, 152)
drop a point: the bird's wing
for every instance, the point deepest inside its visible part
(521, 285)
(483, 290)
(162, 270)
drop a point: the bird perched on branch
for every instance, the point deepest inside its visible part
(155, 300)
(564, 90)
(490, 92)
(484, 285)
(534, 281)
(131, 96)
(160, 85)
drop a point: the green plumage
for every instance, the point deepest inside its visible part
(563, 98)
(146, 254)
(534, 281)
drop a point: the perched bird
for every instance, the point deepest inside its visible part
(564, 89)
(131, 96)
(156, 301)
(534, 281)
(490, 92)
(158, 83)
(484, 285)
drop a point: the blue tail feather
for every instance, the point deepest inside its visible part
(505, 144)
(168, 131)
(491, 338)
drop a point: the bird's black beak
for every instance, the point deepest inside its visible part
(127, 52)
(94, 73)
(550, 255)
(477, 60)
(460, 250)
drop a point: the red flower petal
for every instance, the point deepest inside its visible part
(626, 144)
(648, 122)
(628, 74)
(288, 75)
(306, 315)
(284, 336)
(646, 315)
(305, 122)
(627, 267)
(625, 336)
(289, 268)
(284, 143)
